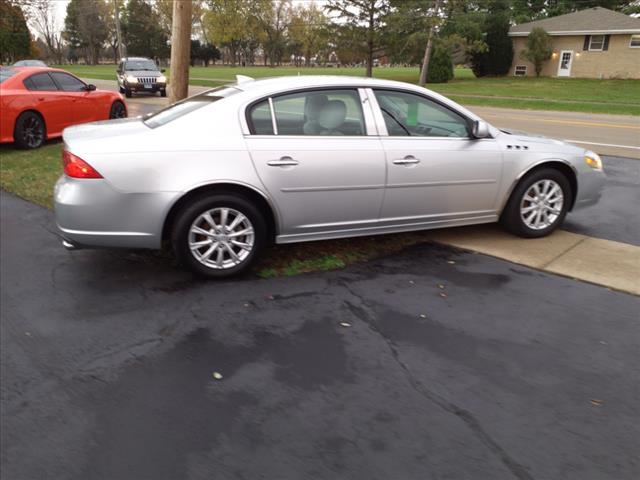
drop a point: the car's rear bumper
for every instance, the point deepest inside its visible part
(90, 213)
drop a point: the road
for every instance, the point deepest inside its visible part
(432, 363)
(615, 135)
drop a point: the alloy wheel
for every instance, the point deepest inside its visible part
(542, 204)
(32, 131)
(221, 238)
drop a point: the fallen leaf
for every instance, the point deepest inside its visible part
(271, 297)
(451, 262)
(28, 334)
(443, 295)
(422, 315)
(596, 403)
(440, 286)
(345, 324)
(411, 282)
(217, 376)
(246, 304)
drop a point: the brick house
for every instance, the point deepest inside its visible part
(592, 43)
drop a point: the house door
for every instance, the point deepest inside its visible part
(564, 67)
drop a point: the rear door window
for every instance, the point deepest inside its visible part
(68, 83)
(320, 112)
(41, 82)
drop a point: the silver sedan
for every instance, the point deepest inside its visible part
(220, 175)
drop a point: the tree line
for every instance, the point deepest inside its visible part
(432, 33)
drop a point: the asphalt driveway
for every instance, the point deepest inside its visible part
(433, 363)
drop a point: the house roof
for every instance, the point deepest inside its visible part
(591, 21)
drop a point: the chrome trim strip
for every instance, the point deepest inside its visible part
(330, 189)
(273, 117)
(102, 233)
(442, 184)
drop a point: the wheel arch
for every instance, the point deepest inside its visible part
(255, 196)
(562, 166)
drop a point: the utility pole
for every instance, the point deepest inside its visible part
(427, 51)
(180, 50)
(122, 51)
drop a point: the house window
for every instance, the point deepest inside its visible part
(520, 71)
(596, 43)
(635, 41)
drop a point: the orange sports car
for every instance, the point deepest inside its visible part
(37, 103)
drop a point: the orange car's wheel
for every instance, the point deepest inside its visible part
(118, 110)
(30, 130)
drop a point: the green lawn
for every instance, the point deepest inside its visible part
(570, 94)
(31, 174)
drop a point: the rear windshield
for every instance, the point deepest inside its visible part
(177, 110)
(140, 65)
(7, 73)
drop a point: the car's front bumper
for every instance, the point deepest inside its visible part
(91, 213)
(590, 186)
(145, 87)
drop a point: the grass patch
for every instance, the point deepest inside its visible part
(561, 94)
(31, 174)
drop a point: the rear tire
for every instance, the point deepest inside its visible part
(538, 204)
(30, 131)
(118, 110)
(219, 235)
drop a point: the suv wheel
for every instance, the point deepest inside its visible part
(219, 235)
(538, 204)
(127, 93)
(163, 92)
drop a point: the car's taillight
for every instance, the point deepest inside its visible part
(77, 168)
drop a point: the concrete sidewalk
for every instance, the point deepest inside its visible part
(611, 264)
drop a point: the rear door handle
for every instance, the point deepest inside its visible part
(283, 162)
(408, 160)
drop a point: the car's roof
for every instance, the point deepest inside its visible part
(317, 81)
(135, 58)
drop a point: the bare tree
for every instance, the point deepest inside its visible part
(43, 19)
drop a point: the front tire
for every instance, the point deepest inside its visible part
(128, 93)
(163, 92)
(219, 235)
(30, 131)
(118, 110)
(538, 204)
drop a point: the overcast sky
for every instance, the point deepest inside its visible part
(61, 8)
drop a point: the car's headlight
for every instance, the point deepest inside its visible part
(162, 79)
(131, 79)
(593, 160)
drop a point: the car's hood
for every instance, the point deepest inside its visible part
(532, 137)
(143, 73)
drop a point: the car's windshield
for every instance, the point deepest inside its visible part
(140, 65)
(6, 73)
(177, 110)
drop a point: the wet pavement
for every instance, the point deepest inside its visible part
(432, 363)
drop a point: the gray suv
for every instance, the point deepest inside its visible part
(138, 74)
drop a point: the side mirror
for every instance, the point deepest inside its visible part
(480, 129)
(90, 88)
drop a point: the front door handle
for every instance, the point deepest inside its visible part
(408, 160)
(283, 162)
